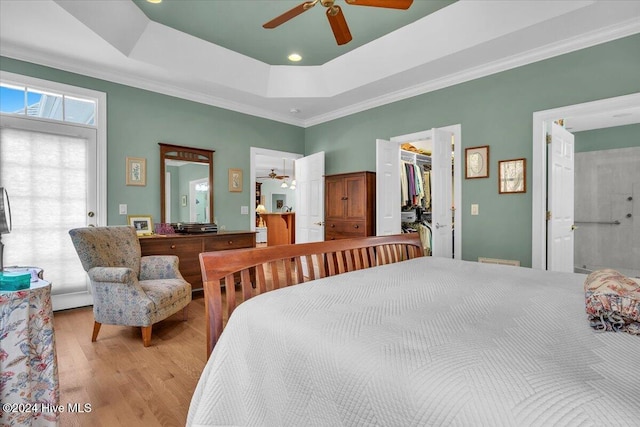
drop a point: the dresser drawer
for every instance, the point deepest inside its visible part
(344, 230)
(169, 246)
(230, 241)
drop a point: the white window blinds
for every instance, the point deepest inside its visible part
(45, 176)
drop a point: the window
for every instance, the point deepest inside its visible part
(38, 103)
(53, 166)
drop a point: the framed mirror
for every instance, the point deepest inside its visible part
(186, 184)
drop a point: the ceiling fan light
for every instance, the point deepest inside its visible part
(154, 1)
(293, 187)
(284, 184)
(294, 57)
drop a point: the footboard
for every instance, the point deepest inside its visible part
(264, 269)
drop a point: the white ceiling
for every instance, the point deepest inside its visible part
(115, 41)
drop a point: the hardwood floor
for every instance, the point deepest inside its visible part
(125, 383)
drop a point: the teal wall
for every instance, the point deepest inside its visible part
(497, 111)
(138, 119)
(608, 138)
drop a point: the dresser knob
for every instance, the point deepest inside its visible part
(333, 225)
(173, 246)
(356, 226)
(230, 242)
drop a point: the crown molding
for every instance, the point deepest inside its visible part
(630, 27)
(115, 76)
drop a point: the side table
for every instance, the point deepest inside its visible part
(29, 388)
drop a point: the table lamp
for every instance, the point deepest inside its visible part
(260, 210)
(5, 221)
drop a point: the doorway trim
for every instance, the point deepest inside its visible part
(456, 130)
(253, 152)
(539, 172)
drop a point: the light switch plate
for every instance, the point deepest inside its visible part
(123, 209)
(475, 209)
(244, 210)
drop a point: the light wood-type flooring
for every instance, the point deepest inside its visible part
(125, 383)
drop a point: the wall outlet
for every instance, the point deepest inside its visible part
(122, 209)
(475, 210)
(244, 210)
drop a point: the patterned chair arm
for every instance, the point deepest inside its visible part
(159, 267)
(111, 274)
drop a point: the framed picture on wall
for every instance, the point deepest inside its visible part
(476, 162)
(142, 223)
(235, 180)
(512, 176)
(136, 171)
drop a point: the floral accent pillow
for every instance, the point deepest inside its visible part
(612, 301)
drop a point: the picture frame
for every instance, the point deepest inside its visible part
(142, 223)
(235, 180)
(476, 162)
(512, 176)
(136, 171)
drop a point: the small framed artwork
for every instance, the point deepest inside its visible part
(512, 176)
(235, 180)
(136, 171)
(142, 223)
(183, 200)
(477, 162)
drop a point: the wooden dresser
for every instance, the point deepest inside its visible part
(350, 205)
(189, 246)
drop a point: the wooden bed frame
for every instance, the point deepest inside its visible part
(262, 270)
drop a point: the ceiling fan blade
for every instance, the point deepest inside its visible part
(339, 25)
(303, 7)
(389, 4)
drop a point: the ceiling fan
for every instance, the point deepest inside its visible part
(274, 175)
(334, 14)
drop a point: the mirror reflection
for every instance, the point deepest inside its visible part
(186, 184)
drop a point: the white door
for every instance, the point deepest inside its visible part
(387, 188)
(441, 195)
(310, 198)
(50, 173)
(560, 161)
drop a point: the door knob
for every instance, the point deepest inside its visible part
(573, 227)
(438, 226)
(320, 223)
(91, 214)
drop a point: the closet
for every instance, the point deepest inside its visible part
(415, 190)
(350, 201)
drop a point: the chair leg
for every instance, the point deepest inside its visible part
(146, 335)
(185, 313)
(96, 330)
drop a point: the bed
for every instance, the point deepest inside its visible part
(421, 341)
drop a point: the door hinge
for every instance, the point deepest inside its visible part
(548, 138)
(548, 215)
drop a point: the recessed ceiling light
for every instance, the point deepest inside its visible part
(294, 111)
(154, 1)
(294, 57)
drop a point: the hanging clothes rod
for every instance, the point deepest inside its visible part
(616, 222)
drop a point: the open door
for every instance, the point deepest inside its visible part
(442, 195)
(310, 198)
(560, 226)
(388, 219)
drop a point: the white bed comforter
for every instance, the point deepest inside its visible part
(429, 341)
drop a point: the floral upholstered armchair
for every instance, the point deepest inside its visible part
(129, 289)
